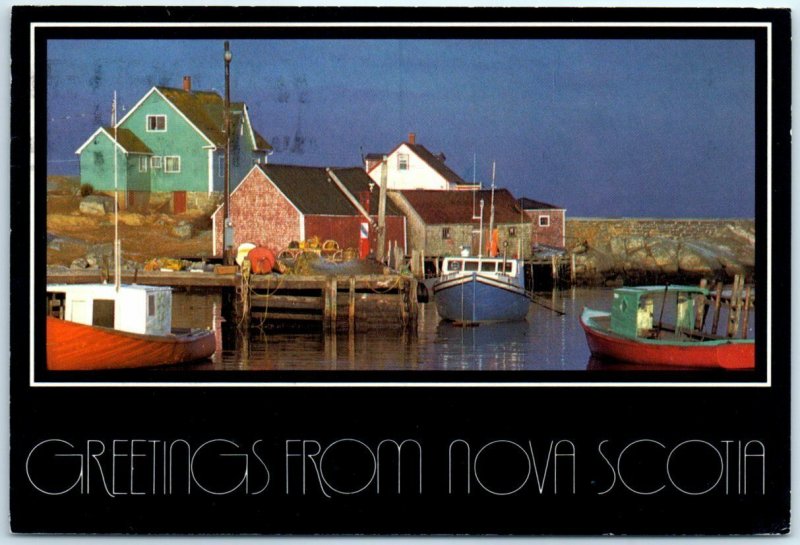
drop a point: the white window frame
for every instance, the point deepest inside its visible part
(155, 116)
(544, 221)
(143, 163)
(402, 161)
(156, 161)
(166, 163)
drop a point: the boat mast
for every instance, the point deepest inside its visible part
(117, 260)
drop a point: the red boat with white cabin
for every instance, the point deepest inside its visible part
(102, 326)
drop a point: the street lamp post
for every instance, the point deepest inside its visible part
(227, 252)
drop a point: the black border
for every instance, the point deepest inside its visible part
(435, 415)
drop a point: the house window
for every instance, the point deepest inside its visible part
(512, 231)
(445, 233)
(156, 123)
(221, 165)
(402, 161)
(155, 161)
(98, 158)
(544, 221)
(142, 164)
(172, 163)
(151, 304)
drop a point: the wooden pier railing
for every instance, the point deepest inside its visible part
(338, 303)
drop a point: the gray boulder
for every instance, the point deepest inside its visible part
(96, 205)
(183, 230)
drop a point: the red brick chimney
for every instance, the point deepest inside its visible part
(412, 138)
(187, 84)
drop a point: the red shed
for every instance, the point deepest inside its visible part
(548, 222)
(277, 204)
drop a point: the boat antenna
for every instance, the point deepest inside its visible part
(480, 234)
(491, 211)
(474, 164)
(116, 199)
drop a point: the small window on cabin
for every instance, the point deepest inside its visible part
(143, 164)
(454, 266)
(155, 161)
(445, 233)
(103, 312)
(471, 266)
(151, 304)
(544, 221)
(512, 231)
(509, 267)
(98, 158)
(402, 161)
(172, 163)
(488, 266)
(156, 123)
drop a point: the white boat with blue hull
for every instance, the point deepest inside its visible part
(481, 289)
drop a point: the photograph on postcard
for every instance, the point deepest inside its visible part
(281, 204)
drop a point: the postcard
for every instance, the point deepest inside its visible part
(339, 271)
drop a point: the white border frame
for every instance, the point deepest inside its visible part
(769, 141)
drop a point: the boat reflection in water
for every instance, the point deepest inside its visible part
(488, 346)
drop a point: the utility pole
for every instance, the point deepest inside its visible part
(227, 252)
(381, 250)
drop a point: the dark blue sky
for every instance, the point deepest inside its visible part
(601, 127)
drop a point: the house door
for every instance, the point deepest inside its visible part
(178, 202)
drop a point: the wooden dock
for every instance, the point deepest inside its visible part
(337, 303)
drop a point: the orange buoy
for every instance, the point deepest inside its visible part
(261, 260)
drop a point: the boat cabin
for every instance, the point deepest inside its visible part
(632, 310)
(136, 309)
(452, 265)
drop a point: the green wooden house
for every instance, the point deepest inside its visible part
(170, 146)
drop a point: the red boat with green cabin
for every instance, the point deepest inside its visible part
(630, 332)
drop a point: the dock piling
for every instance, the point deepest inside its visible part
(717, 304)
(746, 316)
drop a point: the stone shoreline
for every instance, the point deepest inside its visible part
(653, 251)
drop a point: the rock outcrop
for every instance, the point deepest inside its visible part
(608, 252)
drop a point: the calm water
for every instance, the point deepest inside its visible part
(545, 341)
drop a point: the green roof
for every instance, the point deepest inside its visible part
(206, 110)
(671, 288)
(128, 140)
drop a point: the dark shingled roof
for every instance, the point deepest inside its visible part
(436, 163)
(129, 141)
(206, 110)
(312, 191)
(444, 207)
(356, 181)
(530, 204)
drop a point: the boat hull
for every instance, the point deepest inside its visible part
(78, 347)
(724, 353)
(473, 298)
